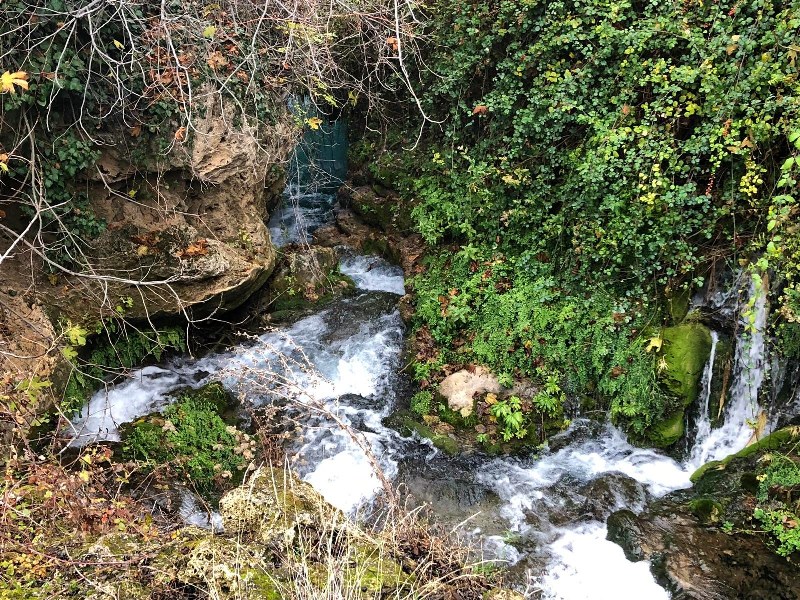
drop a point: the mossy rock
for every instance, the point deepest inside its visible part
(774, 441)
(685, 350)
(668, 431)
(708, 510)
(678, 304)
(406, 424)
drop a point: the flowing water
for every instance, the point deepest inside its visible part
(543, 517)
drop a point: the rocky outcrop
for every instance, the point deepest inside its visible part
(305, 277)
(189, 224)
(705, 543)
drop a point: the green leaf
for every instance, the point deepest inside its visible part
(209, 32)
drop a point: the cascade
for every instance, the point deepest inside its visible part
(543, 514)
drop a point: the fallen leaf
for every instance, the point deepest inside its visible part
(314, 122)
(135, 131)
(654, 344)
(481, 109)
(209, 32)
(216, 60)
(198, 248)
(180, 135)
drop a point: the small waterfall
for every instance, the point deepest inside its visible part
(742, 411)
(704, 417)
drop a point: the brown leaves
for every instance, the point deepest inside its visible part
(198, 248)
(393, 43)
(481, 109)
(216, 60)
(180, 134)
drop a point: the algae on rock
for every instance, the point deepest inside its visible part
(685, 350)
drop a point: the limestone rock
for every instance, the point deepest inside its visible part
(273, 508)
(460, 388)
(189, 223)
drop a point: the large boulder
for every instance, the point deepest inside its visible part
(186, 229)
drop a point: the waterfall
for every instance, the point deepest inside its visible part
(742, 411)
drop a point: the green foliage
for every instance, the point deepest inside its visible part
(510, 417)
(615, 137)
(421, 402)
(192, 438)
(105, 357)
(517, 317)
(550, 400)
(777, 509)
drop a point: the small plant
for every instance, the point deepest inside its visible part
(509, 416)
(192, 438)
(550, 401)
(421, 402)
(727, 527)
(777, 517)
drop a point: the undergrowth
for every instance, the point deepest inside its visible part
(191, 437)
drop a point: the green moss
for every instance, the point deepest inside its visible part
(407, 425)
(685, 350)
(667, 432)
(192, 436)
(709, 511)
(773, 441)
(678, 304)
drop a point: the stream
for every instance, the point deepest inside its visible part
(543, 517)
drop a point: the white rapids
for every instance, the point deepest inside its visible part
(340, 367)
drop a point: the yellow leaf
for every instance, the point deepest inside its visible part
(84, 476)
(119, 44)
(353, 97)
(655, 344)
(491, 399)
(8, 80)
(142, 250)
(209, 32)
(314, 122)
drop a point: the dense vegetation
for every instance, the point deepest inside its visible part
(595, 161)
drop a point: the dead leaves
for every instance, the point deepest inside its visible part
(216, 60)
(193, 250)
(481, 109)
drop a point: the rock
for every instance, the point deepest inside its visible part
(306, 276)
(610, 492)
(190, 223)
(684, 352)
(691, 553)
(273, 508)
(460, 388)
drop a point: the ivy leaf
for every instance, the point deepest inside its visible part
(69, 353)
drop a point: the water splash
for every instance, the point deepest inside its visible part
(751, 365)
